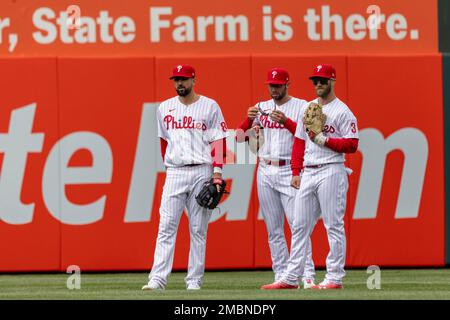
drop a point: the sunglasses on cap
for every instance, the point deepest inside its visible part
(322, 81)
(266, 113)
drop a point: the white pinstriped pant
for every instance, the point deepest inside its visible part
(322, 191)
(181, 186)
(276, 198)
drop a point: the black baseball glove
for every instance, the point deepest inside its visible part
(209, 197)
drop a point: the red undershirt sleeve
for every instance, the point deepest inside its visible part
(342, 145)
(242, 129)
(298, 152)
(290, 125)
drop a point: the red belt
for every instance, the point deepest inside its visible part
(277, 163)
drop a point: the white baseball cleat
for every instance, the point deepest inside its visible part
(308, 283)
(193, 286)
(152, 286)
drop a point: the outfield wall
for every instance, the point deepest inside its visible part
(446, 98)
(82, 176)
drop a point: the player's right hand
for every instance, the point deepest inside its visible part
(295, 182)
(252, 113)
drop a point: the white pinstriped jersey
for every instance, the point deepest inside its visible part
(341, 123)
(189, 130)
(278, 140)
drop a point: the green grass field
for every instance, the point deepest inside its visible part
(395, 284)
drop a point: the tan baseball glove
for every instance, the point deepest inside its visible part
(255, 139)
(314, 119)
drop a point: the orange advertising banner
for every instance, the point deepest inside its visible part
(141, 27)
(30, 237)
(398, 186)
(81, 172)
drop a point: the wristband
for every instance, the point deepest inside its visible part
(320, 139)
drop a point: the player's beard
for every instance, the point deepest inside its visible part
(280, 96)
(183, 92)
(325, 92)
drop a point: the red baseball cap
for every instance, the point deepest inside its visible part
(324, 71)
(277, 76)
(183, 70)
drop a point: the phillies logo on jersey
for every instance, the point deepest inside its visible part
(267, 123)
(185, 123)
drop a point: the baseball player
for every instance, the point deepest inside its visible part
(192, 133)
(275, 193)
(323, 181)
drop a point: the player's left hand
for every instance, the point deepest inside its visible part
(310, 134)
(319, 139)
(278, 116)
(295, 182)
